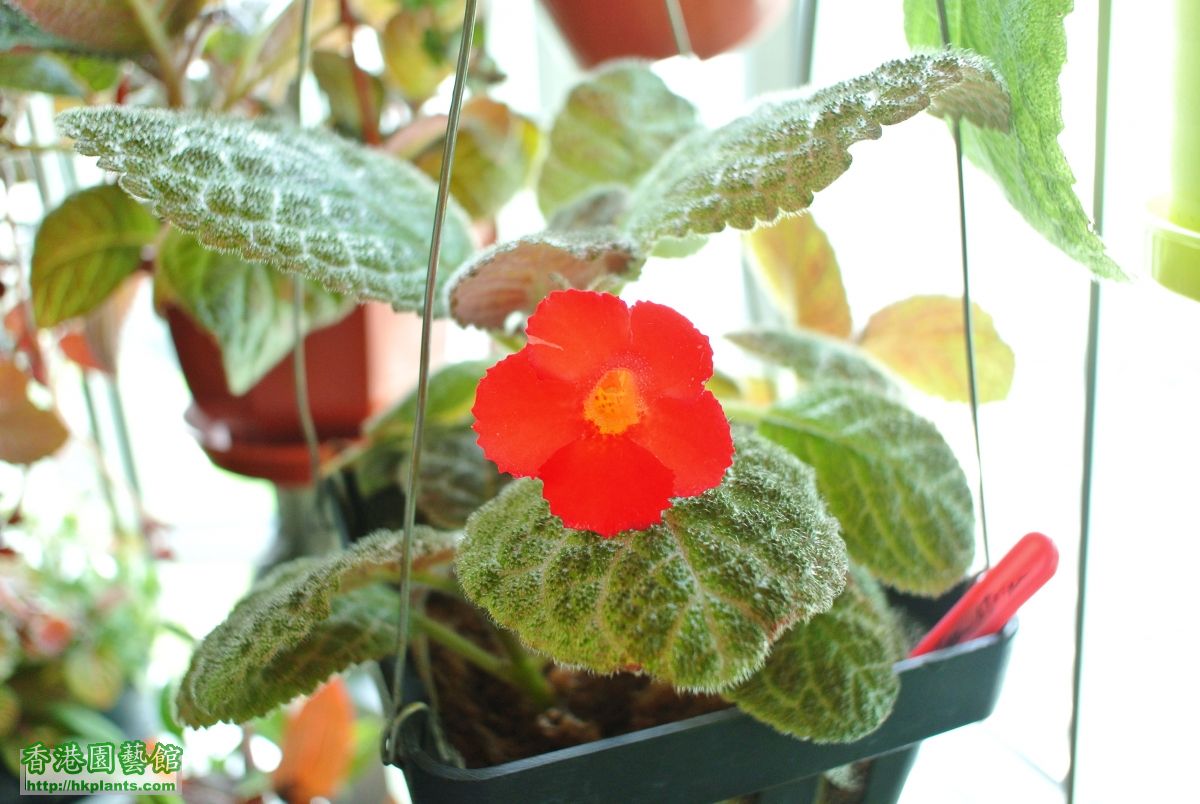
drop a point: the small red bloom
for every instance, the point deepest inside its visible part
(607, 405)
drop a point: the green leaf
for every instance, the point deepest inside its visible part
(696, 600)
(303, 622)
(84, 249)
(922, 340)
(335, 76)
(1026, 41)
(773, 160)
(889, 478)
(795, 259)
(39, 72)
(85, 722)
(449, 398)
(108, 26)
(246, 306)
(353, 219)
(515, 276)
(815, 358)
(831, 679)
(493, 160)
(456, 478)
(16, 30)
(614, 127)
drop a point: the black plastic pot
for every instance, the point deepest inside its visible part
(728, 753)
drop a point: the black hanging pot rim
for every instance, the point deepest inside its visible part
(721, 754)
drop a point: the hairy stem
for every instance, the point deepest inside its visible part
(527, 670)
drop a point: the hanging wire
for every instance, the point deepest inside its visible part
(683, 42)
(1103, 53)
(391, 742)
(968, 316)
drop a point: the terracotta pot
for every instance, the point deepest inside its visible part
(356, 368)
(613, 29)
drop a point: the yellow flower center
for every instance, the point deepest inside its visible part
(614, 405)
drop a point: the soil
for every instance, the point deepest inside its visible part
(490, 722)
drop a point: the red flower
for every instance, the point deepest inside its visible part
(607, 405)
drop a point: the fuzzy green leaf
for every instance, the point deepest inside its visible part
(84, 249)
(515, 276)
(1027, 42)
(246, 306)
(306, 620)
(831, 679)
(814, 357)
(773, 160)
(696, 600)
(614, 127)
(889, 478)
(352, 219)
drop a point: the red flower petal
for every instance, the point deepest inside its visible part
(574, 334)
(677, 358)
(606, 484)
(691, 437)
(523, 417)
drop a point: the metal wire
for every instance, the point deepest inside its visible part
(683, 42)
(391, 747)
(1103, 42)
(968, 317)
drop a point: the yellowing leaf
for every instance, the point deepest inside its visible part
(921, 339)
(27, 433)
(798, 264)
(317, 745)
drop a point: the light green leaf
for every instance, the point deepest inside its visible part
(815, 358)
(355, 220)
(889, 478)
(39, 72)
(84, 249)
(831, 679)
(246, 306)
(614, 127)
(108, 26)
(773, 160)
(494, 158)
(1026, 41)
(449, 398)
(303, 622)
(515, 276)
(922, 340)
(696, 600)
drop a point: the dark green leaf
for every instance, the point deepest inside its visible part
(696, 600)
(889, 478)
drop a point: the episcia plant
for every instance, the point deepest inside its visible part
(640, 530)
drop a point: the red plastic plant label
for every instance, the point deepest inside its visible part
(607, 405)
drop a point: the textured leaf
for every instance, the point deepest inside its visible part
(889, 478)
(335, 76)
(105, 25)
(773, 160)
(922, 340)
(84, 249)
(794, 257)
(614, 127)
(307, 619)
(317, 746)
(493, 159)
(39, 72)
(27, 433)
(515, 276)
(246, 306)
(1026, 41)
(831, 679)
(815, 358)
(352, 219)
(696, 600)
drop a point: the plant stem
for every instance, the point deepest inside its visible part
(156, 35)
(362, 87)
(526, 671)
(448, 638)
